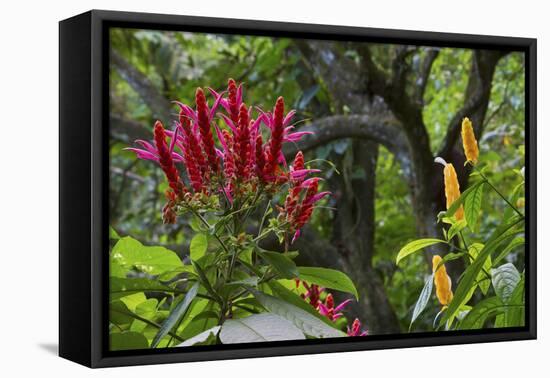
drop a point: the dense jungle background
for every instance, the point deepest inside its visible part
(380, 113)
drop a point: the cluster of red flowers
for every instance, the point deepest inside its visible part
(328, 309)
(240, 163)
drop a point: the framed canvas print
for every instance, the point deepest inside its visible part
(234, 188)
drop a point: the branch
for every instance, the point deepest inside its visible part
(384, 130)
(478, 92)
(159, 105)
(424, 74)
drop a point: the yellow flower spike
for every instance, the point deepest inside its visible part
(442, 282)
(452, 188)
(469, 141)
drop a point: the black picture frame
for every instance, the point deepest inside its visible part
(83, 228)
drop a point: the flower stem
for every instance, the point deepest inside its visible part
(205, 222)
(495, 189)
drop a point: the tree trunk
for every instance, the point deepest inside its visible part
(354, 231)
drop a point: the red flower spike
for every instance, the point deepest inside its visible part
(166, 162)
(193, 142)
(276, 141)
(242, 145)
(313, 294)
(203, 117)
(188, 145)
(332, 313)
(355, 329)
(303, 213)
(299, 161)
(232, 97)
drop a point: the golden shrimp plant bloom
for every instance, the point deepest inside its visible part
(452, 189)
(469, 141)
(442, 281)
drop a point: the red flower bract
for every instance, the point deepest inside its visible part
(166, 161)
(276, 141)
(192, 155)
(243, 145)
(203, 119)
(233, 100)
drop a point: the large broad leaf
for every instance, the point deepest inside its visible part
(328, 278)
(464, 288)
(129, 254)
(198, 246)
(414, 246)
(175, 315)
(207, 337)
(121, 287)
(127, 341)
(472, 205)
(505, 279)
(423, 298)
(285, 266)
(303, 320)
(484, 310)
(257, 328)
(146, 310)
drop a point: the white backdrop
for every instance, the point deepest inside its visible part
(29, 187)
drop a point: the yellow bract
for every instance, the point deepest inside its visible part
(452, 189)
(442, 282)
(469, 141)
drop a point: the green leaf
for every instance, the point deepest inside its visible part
(198, 246)
(514, 316)
(258, 328)
(129, 254)
(472, 205)
(175, 315)
(515, 243)
(505, 279)
(291, 297)
(113, 235)
(250, 281)
(121, 287)
(119, 313)
(146, 309)
(204, 279)
(127, 341)
(131, 301)
(487, 308)
(456, 204)
(328, 278)
(455, 228)
(309, 324)
(423, 298)
(461, 296)
(414, 246)
(483, 282)
(285, 266)
(207, 337)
